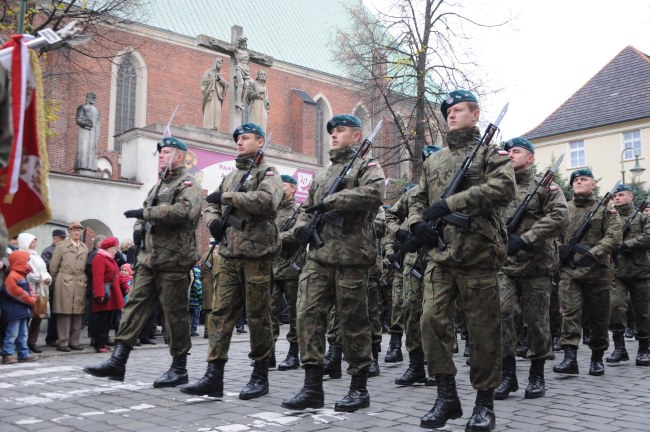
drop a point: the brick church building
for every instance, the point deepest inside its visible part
(160, 65)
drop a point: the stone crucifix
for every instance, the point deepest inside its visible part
(240, 58)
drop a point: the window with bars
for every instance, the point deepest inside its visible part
(125, 98)
(632, 144)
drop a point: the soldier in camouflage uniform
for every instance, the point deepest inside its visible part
(396, 329)
(285, 278)
(525, 277)
(170, 217)
(337, 273)
(585, 281)
(467, 267)
(245, 273)
(633, 276)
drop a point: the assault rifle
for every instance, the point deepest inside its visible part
(459, 219)
(319, 217)
(515, 220)
(285, 225)
(628, 224)
(574, 242)
(227, 218)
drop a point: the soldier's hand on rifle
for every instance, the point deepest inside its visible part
(137, 237)
(626, 249)
(425, 234)
(216, 229)
(316, 207)
(138, 214)
(436, 211)
(565, 251)
(214, 198)
(515, 244)
(411, 245)
(392, 258)
(402, 236)
(587, 260)
(303, 234)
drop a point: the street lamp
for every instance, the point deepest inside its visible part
(636, 171)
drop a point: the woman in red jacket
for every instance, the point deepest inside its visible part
(107, 291)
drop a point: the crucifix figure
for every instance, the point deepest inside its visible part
(240, 58)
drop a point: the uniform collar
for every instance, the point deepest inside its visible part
(341, 154)
(524, 176)
(243, 162)
(584, 201)
(462, 137)
(625, 209)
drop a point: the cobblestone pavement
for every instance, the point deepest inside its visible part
(55, 395)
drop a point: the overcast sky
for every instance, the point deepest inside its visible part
(548, 51)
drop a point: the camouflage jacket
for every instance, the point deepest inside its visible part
(170, 245)
(282, 266)
(356, 202)
(256, 206)
(397, 218)
(380, 231)
(637, 264)
(602, 238)
(488, 186)
(544, 219)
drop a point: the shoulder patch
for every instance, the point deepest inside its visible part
(503, 152)
(372, 163)
(553, 188)
(269, 172)
(187, 182)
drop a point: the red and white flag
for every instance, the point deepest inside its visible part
(23, 190)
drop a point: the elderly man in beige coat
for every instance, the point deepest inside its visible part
(67, 269)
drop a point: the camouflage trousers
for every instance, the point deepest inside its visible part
(479, 293)
(385, 300)
(397, 314)
(639, 290)
(555, 317)
(241, 282)
(413, 292)
(148, 286)
(322, 287)
(333, 330)
(578, 296)
(288, 287)
(525, 299)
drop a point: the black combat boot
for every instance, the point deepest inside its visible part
(620, 353)
(629, 332)
(394, 352)
(259, 382)
(509, 381)
(597, 368)
(415, 372)
(177, 373)
(431, 382)
(522, 348)
(332, 365)
(466, 352)
(586, 336)
(482, 418)
(536, 385)
(211, 384)
(373, 371)
(557, 346)
(643, 356)
(311, 394)
(292, 361)
(569, 365)
(115, 367)
(447, 405)
(358, 396)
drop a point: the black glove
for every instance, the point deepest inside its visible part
(565, 250)
(303, 234)
(392, 258)
(411, 245)
(319, 206)
(216, 230)
(402, 235)
(425, 234)
(214, 198)
(138, 214)
(515, 244)
(626, 249)
(587, 260)
(137, 237)
(397, 247)
(436, 211)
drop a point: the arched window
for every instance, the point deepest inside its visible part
(323, 114)
(128, 104)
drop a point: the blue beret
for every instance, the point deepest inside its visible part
(519, 142)
(343, 120)
(623, 188)
(288, 179)
(429, 150)
(171, 142)
(455, 97)
(582, 172)
(248, 128)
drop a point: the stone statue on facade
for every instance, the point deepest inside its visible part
(88, 136)
(257, 98)
(214, 88)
